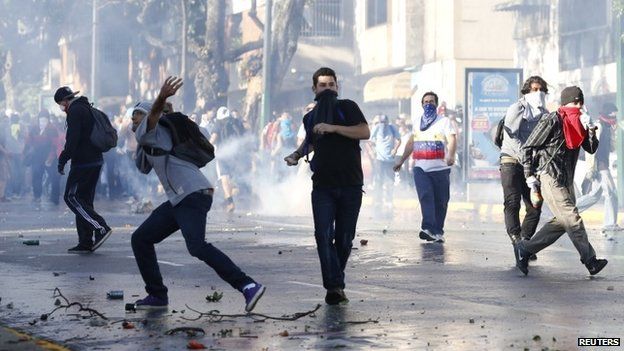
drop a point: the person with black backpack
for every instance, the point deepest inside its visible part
(86, 164)
(520, 120)
(173, 146)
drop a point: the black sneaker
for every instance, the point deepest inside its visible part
(336, 297)
(79, 250)
(594, 266)
(101, 237)
(522, 258)
(533, 257)
(425, 234)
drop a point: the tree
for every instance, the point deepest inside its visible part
(25, 27)
(287, 23)
(211, 79)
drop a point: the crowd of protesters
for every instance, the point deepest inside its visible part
(30, 146)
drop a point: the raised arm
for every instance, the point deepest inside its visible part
(169, 88)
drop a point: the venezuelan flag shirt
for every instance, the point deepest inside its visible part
(430, 145)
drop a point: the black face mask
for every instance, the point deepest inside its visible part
(326, 109)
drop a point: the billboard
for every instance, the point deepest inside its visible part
(489, 92)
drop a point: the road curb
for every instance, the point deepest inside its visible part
(13, 339)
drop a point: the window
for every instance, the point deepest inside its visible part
(586, 35)
(576, 15)
(322, 18)
(533, 21)
(376, 12)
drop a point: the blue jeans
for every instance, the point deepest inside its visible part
(190, 217)
(335, 212)
(433, 190)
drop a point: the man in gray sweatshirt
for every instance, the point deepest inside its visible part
(522, 116)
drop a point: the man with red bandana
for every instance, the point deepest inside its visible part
(550, 156)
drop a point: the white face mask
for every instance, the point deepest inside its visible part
(536, 99)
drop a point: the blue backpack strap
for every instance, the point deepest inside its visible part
(341, 115)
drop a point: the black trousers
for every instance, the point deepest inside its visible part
(515, 190)
(39, 169)
(79, 196)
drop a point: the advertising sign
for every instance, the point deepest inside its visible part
(489, 92)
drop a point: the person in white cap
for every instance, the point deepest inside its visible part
(227, 130)
(189, 196)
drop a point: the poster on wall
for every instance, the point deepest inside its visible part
(489, 92)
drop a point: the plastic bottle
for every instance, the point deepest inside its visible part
(536, 196)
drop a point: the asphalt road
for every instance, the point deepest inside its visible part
(404, 294)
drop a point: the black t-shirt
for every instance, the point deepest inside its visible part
(337, 159)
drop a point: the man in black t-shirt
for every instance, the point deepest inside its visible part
(334, 129)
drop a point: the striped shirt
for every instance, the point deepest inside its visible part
(546, 140)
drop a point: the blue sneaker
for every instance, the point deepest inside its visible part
(151, 302)
(252, 295)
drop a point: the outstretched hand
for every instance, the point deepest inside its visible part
(170, 86)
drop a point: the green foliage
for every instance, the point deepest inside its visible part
(215, 297)
(27, 97)
(618, 7)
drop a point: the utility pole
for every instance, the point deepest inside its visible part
(93, 48)
(266, 66)
(620, 105)
(183, 52)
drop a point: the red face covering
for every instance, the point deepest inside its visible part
(608, 120)
(573, 129)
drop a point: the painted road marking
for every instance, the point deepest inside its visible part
(164, 262)
(350, 291)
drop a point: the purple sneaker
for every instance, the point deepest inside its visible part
(252, 295)
(151, 302)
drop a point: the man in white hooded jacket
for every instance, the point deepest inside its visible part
(520, 120)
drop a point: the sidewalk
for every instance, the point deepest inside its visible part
(14, 340)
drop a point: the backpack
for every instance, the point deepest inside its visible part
(104, 135)
(189, 143)
(498, 137)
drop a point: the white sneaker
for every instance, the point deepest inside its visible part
(425, 234)
(439, 238)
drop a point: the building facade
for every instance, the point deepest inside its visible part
(568, 42)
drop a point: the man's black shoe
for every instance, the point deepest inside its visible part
(594, 266)
(335, 297)
(79, 250)
(522, 259)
